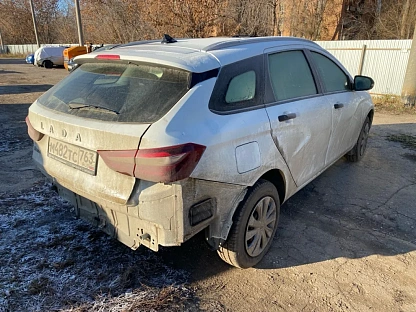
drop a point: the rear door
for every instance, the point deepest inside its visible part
(300, 117)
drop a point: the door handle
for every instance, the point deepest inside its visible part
(287, 117)
(338, 105)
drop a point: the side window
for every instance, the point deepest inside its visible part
(333, 77)
(290, 75)
(239, 86)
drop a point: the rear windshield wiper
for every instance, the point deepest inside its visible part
(92, 107)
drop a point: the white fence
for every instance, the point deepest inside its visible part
(383, 60)
(30, 48)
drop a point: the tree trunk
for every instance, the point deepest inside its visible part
(275, 20)
(337, 33)
(405, 14)
(409, 85)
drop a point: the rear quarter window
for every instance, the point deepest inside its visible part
(239, 86)
(136, 92)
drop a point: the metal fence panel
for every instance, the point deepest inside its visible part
(384, 60)
(30, 48)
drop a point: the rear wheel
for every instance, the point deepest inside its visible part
(47, 64)
(358, 151)
(254, 226)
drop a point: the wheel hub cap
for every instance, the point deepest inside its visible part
(260, 226)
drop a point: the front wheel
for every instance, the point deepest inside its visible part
(47, 64)
(254, 226)
(357, 152)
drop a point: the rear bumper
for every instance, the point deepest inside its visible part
(162, 214)
(125, 224)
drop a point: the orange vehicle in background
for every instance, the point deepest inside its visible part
(72, 52)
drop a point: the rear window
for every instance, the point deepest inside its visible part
(136, 92)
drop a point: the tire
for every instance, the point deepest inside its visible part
(243, 252)
(358, 151)
(47, 64)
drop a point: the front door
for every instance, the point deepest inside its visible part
(346, 119)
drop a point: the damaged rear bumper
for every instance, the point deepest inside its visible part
(162, 214)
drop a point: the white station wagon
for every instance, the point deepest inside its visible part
(156, 141)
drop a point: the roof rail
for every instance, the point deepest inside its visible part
(245, 40)
(133, 43)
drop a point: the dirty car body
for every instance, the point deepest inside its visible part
(156, 141)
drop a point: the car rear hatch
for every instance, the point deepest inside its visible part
(102, 108)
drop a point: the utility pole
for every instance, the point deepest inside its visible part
(1, 44)
(409, 85)
(34, 22)
(79, 24)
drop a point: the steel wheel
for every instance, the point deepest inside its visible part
(260, 226)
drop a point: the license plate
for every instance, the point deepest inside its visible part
(72, 155)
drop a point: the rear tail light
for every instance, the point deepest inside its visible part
(34, 134)
(108, 57)
(166, 164)
(120, 161)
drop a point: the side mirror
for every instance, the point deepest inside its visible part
(363, 83)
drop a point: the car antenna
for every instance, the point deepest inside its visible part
(168, 39)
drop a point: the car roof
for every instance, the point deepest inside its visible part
(199, 54)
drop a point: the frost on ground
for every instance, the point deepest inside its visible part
(50, 261)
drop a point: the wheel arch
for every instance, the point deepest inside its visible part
(370, 115)
(276, 177)
(47, 63)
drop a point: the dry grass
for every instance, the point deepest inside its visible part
(392, 104)
(17, 55)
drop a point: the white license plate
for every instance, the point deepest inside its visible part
(72, 155)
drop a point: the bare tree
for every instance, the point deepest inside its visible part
(185, 18)
(376, 19)
(119, 21)
(16, 21)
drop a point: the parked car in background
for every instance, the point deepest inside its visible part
(71, 52)
(30, 59)
(156, 141)
(49, 56)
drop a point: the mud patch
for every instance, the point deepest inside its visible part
(406, 140)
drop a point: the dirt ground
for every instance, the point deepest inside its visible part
(346, 242)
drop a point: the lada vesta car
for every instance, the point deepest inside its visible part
(155, 141)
